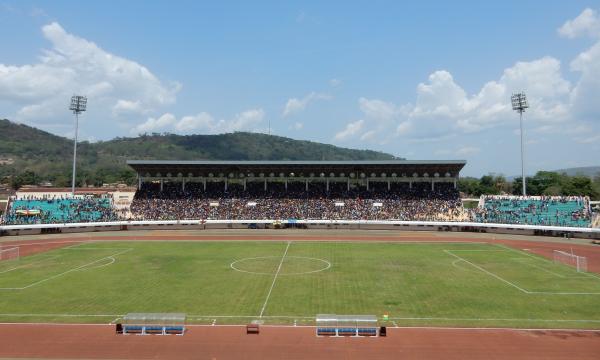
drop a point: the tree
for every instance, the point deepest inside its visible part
(578, 185)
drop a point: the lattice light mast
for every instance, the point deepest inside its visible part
(519, 104)
(78, 105)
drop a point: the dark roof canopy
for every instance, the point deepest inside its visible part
(204, 167)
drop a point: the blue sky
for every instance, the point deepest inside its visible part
(421, 80)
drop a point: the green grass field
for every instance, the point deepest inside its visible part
(441, 284)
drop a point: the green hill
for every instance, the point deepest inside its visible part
(590, 171)
(29, 155)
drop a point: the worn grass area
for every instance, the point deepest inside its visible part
(445, 284)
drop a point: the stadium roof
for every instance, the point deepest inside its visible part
(199, 168)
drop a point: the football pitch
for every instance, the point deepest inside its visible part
(278, 282)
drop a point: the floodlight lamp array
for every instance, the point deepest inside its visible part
(78, 104)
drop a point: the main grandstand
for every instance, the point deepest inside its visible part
(398, 190)
(281, 190)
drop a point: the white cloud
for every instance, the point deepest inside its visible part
(442, 99)
(298, 126)
(247, 120)
(462, 151)
(403, 128)
(156, 124)
(203, 123)
(442, 106)
(126, 106)
(295, 105)
(377, 109)
(586, 24)
(595, 139)
(335, 82)
(467, 151)
(351, 129)
(301, 17)
(114, 85)
(584, 97)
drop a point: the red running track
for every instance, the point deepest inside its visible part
(231, 342)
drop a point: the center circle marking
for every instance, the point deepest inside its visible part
(326, 264)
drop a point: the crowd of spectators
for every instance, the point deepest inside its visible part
(59, 209)
(294, 201)
(534, 210)
(254, 203)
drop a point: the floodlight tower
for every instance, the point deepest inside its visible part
(78, 105)
(519, 104)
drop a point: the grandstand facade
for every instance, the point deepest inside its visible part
(361, 173)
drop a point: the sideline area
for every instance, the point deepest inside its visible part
(226, 342)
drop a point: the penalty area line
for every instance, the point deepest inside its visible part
(449, 252)
(68, 271)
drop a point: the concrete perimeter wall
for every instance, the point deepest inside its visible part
(585, 233)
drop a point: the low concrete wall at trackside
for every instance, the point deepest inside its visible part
(584, 233)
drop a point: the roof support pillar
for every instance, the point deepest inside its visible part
(226, 182)
(410, 184)
(162, 182)
(265, 185)
(348, 184)
(455, 183)
(367, 184)
(327, 186)
(244, 184)
(204, 183)
(389, 186)
(432, 185)
(183, 184)
(140, 181)
(306, 185)
(285, 184)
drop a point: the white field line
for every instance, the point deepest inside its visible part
(520, 252)
(68, 271)
(400, 328)
(50, 324)
(112, 260)
(540, 258)
(30, 264)
(100, 240)
(61, 315)
(392, 319)
(538, 267)
(517, 286)
(494, 319)
(82, 246)
(455, 264)
(449, 252)
(313, 326)
(592, 275)
(468, 250)
(274, 279)
(201, 317)
(53, 242)
(74, 246)
(232, 265)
